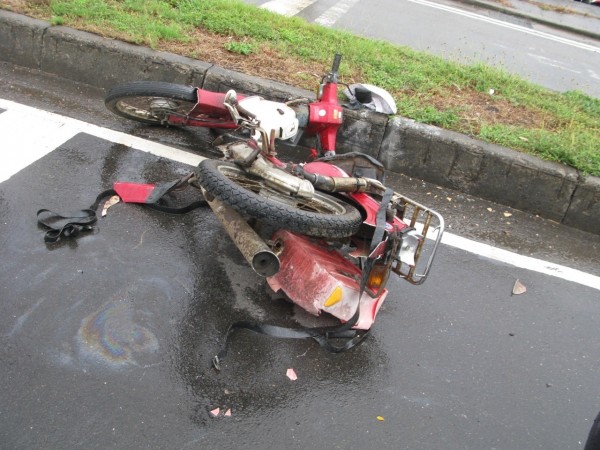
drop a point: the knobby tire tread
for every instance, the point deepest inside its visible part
(281, 215)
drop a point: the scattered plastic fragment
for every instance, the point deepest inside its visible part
(215, 412)
(491, 92)
(291, 374)
(380, 418)
(507, 214)
(490, 210)
(228, 413)
(519, 288)
(110, 202)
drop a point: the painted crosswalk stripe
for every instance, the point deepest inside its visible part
(333, 14)
(287, 7)
(30, 133)
(22, 147)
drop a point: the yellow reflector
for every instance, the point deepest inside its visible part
(335, 297)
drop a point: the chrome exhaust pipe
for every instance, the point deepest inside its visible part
(260, 257)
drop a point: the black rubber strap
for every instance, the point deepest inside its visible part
(324, 336)
(170, 210)
(71, 224)
(380, 219)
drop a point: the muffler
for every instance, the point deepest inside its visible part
(255, 250)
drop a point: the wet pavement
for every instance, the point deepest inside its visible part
(107, 340)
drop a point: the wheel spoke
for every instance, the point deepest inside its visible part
(317, 204)
(152, 108)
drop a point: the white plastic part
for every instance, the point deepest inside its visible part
(272, 116)
(383, 101)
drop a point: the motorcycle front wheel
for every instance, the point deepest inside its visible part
(150, 101)
(320, 216)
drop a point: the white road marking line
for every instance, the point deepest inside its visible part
(24, 123)
(593, 74)
(20, 130)
(501, 23)
(333, 14)
(287, 7)
(553, 63)
(22, 147)
(524, 262)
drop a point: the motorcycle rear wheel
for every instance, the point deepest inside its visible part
(320, 216)
(150, 101)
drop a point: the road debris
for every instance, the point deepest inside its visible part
(217, 412)
(291, 374)
(110, 202)
(519, 288)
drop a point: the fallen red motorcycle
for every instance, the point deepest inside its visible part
(327, 233)
(170, 104)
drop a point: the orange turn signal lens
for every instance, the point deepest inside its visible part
(377, 277)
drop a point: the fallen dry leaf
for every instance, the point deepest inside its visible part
(110, 202)
(291, 374)
(519, 288)
(380, 418)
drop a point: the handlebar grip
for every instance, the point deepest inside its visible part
(334, 69)
(336, 63)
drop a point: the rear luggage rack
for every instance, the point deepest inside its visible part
(430, 225)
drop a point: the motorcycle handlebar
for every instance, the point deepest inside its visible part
(243, 111)
(336, 66)
(231, 102)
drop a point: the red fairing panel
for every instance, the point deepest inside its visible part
(210, 103)
(319, 279)
(325, 117)
(133, 192)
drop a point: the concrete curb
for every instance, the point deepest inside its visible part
(429, 153)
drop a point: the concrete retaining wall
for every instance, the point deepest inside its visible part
(429, 153)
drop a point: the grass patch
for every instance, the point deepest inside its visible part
(478, 100)
(243, 48)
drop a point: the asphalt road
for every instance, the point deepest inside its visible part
(107, 340)
(464, 34)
